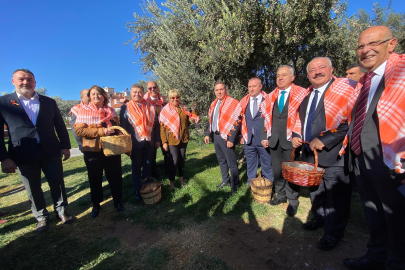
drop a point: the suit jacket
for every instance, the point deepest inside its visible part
(136, 144)
(234, 133)
(22, 132)
(333, 141)
(256, 123)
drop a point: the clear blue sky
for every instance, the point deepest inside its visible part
(71, 45)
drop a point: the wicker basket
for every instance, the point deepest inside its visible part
(302, 173)
(151, 192)
(116, 145)
(261, 189)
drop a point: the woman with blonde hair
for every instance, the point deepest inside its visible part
(174, 122)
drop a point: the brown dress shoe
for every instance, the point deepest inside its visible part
(42, 226)
(65, 218)
(3, 213)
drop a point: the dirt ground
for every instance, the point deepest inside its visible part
(247, 246)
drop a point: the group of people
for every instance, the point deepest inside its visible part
(357, 129)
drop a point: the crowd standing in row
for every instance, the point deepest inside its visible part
(357, 129)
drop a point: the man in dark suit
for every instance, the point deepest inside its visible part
(326, 102)
(376, 151)
(32, 120)
(251, 128)
(223, 131)
(73, 112)
(279, 111)
(135, 117)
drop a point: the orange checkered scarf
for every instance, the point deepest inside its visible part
(228, 115)
(75, 109)
(170, 118)
(242, 108)
(335, 103)
(141, 120)
(90, 115)
(297, 94)
(391, 111)
(156, 102)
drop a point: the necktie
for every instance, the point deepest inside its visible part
(254, 111)
(281, 101)
(361, 114)
(309, 119)
(215, 116)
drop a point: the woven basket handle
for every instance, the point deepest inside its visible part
(143, 182)
(315, 153)
(120, 129)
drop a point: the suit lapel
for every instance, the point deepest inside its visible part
(19, 107)
(374, 101)
(303, 111)
(321, 105)
(41, 109)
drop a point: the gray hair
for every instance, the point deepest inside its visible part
(321, 57)
(24, 70)
(286, 66)
(362, 69)
(219, 82)
(256, 78)
(137, 85)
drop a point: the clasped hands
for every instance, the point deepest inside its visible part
(314, 144)
(207, 141)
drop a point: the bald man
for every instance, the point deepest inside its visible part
(73, 112)
(376, 117)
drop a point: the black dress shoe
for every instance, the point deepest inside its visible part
(312, 225)
(277, 201)
(222, 185)
(291, 210)
(95, 211)
(138, 197)
(120, 208)
(327, 242)
(65, 218)
(42, 226)
(362, 263)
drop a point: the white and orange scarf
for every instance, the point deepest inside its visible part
(391, 111)
(75, 109)
(228, 115)
(242, 108)
(170, 118)
(155, 102)
(335, 102)
(141, 119)
(297, 94)
(90, 115)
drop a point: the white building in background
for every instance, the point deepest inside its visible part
(117, 99)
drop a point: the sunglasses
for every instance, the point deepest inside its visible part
(154, 88)
(175, 98)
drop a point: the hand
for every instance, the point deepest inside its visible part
(242, 141)
(108, 131)
(317, 144)
(297, 142)
(66, 153)
(207, 140)
(166, 147)
(157, 145)
(8, 166)
(265, 143)
(229, 144)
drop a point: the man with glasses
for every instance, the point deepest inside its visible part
(376, 148)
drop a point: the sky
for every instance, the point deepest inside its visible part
(71, 45)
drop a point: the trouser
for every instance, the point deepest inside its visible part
(384, 209)
(30, 174)
(331, 200)
(154, 170)
(176, 159)
(141, 165)
(227, 161)
(96, 162)
(283, 188)
(253, 151)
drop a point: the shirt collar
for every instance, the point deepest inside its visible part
(259, 97)
(381, 69)
(323, 87)
(287, 91)
(24, 98)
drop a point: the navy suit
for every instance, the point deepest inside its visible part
(32, 157)
(142, 151)
(254, 148)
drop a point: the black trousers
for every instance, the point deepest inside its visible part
(176, 159)
(227, 161)
(30, 174)
(154, 170)
(141, 165)
(96, 162)
(331, 200)
(283, 188)
(384, 209)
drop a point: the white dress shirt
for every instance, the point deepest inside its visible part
(287, 92)
(213, 112)
(31, 107)
(375, 81)
(259, 100)
(321, 90)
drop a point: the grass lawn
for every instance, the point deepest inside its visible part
(188, 229)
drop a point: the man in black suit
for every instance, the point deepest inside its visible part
(224, 148)
(142, 148)
(331, 199)
(376, 150)
(32, 120)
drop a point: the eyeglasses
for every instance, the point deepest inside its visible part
(175, 98)
(154, 88)
(372, 45)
